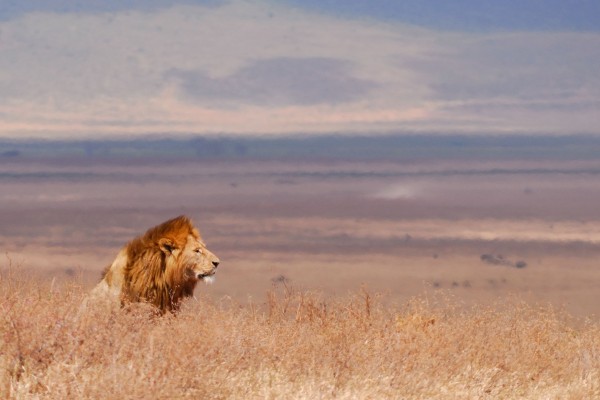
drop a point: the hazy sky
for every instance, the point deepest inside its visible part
(90, 68)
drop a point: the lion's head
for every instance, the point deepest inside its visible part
(192, 260)
(161, 266)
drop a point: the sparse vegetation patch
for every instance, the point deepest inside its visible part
(499, 259)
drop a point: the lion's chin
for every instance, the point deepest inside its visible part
(209, 280)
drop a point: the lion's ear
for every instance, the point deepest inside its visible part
(167, 246)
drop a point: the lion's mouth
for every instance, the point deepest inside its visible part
(205, 275)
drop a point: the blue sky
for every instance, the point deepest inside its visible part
(471, 15)
(462, 15)
(75, 68)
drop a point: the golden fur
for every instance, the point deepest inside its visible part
(160, 267)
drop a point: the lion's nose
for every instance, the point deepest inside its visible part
(216, 263)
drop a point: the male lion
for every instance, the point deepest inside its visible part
(160, 267)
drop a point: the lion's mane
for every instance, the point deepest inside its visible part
(145, 271)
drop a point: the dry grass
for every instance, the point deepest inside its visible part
(294, 345)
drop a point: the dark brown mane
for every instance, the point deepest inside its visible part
(176, 229)
(148, 277)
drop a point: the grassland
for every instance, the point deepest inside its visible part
(435, 243)
(290, 345)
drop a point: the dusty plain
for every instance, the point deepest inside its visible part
(479, 230)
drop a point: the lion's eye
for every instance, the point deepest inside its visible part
(199, 251)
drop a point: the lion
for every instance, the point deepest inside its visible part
(160, 267)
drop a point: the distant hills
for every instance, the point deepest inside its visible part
(392, 147)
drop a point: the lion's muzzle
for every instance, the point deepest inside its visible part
(201, 276)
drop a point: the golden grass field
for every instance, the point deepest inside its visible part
(338, 280)
(290, 345)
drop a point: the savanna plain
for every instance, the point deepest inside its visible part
(340, 277)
